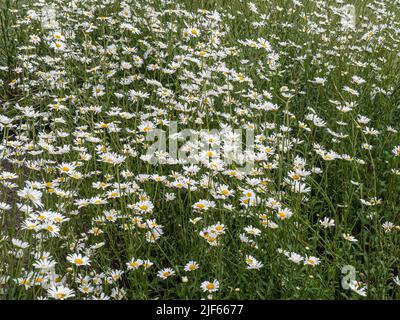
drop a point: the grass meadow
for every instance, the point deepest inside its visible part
(159, 149)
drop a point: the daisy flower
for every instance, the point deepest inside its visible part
(60, 292)
(165, 273)
(191, 266)
(78, 259)
(208, 286)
